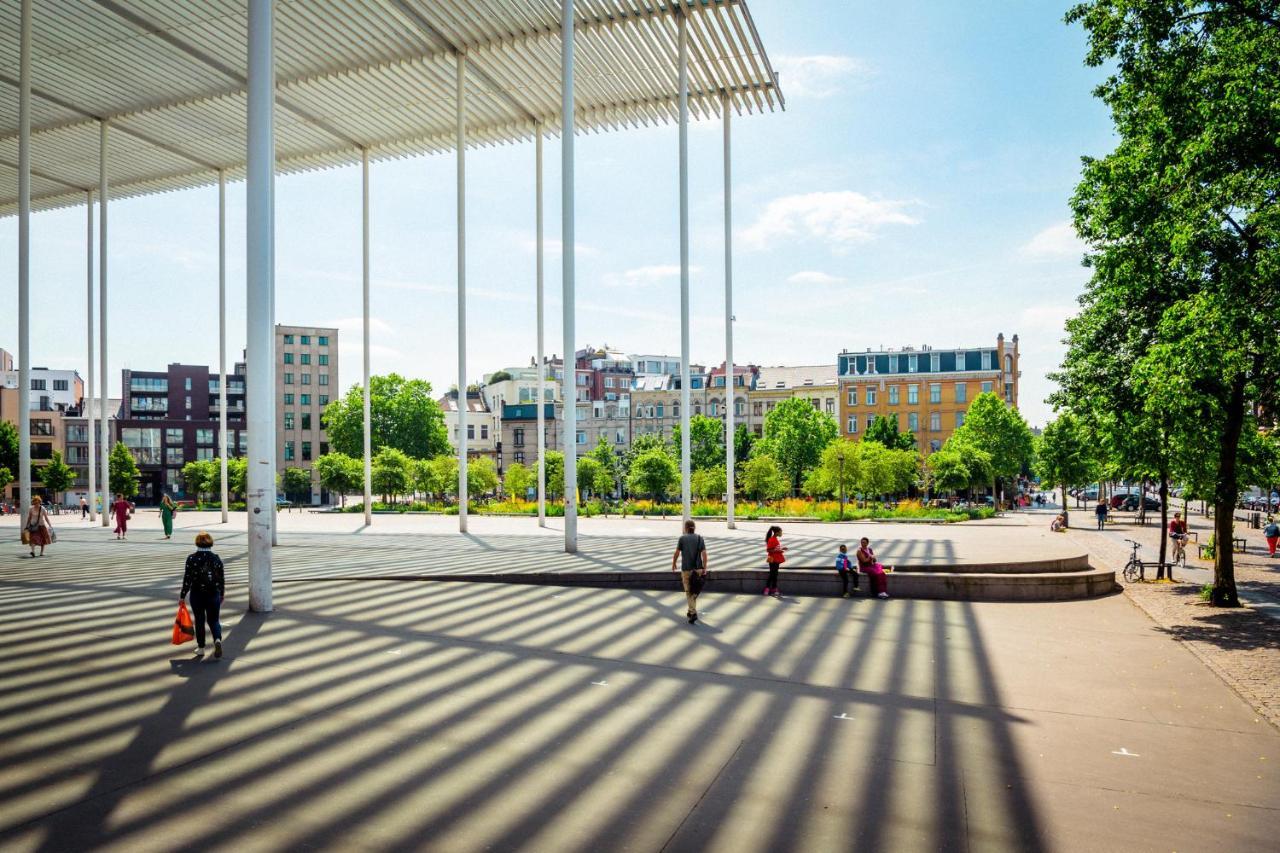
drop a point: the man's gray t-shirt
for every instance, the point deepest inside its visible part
(691, 545)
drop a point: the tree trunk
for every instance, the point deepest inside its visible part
(1164, 524)
(1066, 518)
(1142, 505)
(1226, 491)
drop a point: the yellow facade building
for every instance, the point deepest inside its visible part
(929, 390)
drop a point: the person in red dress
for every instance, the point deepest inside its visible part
(774, 556)
(868, 565)
(121, 509)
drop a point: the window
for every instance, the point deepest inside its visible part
(204, 454)
(46, 405)
(913, 422)
(173, 456)
(662, 410)
(77, 433)
(306, 358)
(608, 382)
(986, 359)
(306, 379)
(831, 405)
(288, 379)
(186, 384)
(323, 340)
(324, 448)
(204, 436)
(38, 385)
(61, 384)
(188, 404)
(517, 436)
(935, 392)
(143, 443)
(471, 432)
(41, 451)
(935, 362)
(324, 399)
(962, 392)
(288, 399)
(78, 455)
(288, 358)
(893, 364)
(288, 451)
(324, 379)
(213, 386)
(520, 457)
(484, 432)
(935, 422)
(242, 443)
(675, 410)
(853, 397)
(306, 451)
(288, 420)
(288, 339)
(913, 363)
(893, 395)
(757, 409)
(324, 360)
(870, 420)
(306, 340)
(714, 408)
(913, 395)
(935, 446)
(871, 396)
(959, 419)
(619, 436)
(305, 400)
(1008, 393)
(986, 387)
(582, 437)
(853, 424)
(306, 420)
(143, 383)
(42, 427)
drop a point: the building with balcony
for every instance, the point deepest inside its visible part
(929, 390)
(51, 390)
(306, 380)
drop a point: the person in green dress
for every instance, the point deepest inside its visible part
(167, 509)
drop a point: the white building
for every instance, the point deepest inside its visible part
(51, 390)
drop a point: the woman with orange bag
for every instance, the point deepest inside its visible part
(203, 578)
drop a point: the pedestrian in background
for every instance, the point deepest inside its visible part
(844, 568)
(774, 557)
(37, 527)
(1272, 532)
(84, 509)
(121, 509)
(167, 509)
(203, 578)
(1101, 511)
(692, 553)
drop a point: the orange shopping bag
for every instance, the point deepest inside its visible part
(182, 630)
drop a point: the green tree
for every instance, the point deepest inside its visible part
(553, 470)
(237, 476)
(518, 479)
(436, 477)
(593, 479)
(403, 415)
(392, 472)
(6, 477)
(884, 470)
(708, 483)
(642, 444)
(1064, 455)
(199, 477)
(763, 477)
(837, 471)
(610, 461)
(653, 473)
(995, 428)
(885, 431)
(9, 447)
(57, 476)
(124, 471)
(482, 477)
(795, 434)
(340, 474)
(706, 442)
(744, 441)
(296, 484)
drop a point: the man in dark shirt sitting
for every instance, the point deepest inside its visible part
(691, 550)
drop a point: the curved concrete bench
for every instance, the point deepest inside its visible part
(1007, 582)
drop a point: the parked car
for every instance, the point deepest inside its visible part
(1118, 499)
(1130, 503)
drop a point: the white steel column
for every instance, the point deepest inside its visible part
(368, 398)
(685, 444)
(729, 381)
(88, 403)
(569, 380)
(24, 259)
(104, 416)
(542, 419)
(259, 268)
(222, 337)
(461, 142)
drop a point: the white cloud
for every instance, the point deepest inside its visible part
(648, 275)
(1057, 241)
(815, 277)
(840, 219)
(1046, 322)
(819, 76)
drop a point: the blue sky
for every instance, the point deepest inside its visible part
(914, 192)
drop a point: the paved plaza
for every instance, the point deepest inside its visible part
(367, 714)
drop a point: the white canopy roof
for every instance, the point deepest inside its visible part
(170, 76)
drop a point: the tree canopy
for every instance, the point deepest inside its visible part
(654, 473)
(884, 430)
(124, 471)
(403, 415)
(56, 475)
(706, 442)
(795, 434)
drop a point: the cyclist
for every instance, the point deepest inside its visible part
(1178, 533)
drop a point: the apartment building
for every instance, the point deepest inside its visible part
(519, 432)
(815, 383)
(484, 432)
(929, 390)
(306, 380)
(51, 390)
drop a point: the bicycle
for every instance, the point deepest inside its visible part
(1179, 550)
(1134, 570)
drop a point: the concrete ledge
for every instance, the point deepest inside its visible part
(1044, 585)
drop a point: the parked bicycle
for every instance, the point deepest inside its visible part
(1134, 570)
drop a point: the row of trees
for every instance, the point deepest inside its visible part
(1175, 352)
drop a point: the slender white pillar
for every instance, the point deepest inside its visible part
(569, 380)
(260, 284)
(686, 500)
(368, 398)
(104, 416)
(729, 380)
(222, 338)
(24, 258)
(461, 142)
(87, 405)
(542, 418)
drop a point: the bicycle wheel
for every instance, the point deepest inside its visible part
(1131, 571)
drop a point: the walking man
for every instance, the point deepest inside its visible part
(691, 550)
(84, 509)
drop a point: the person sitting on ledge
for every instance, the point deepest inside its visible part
(1059, 524)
